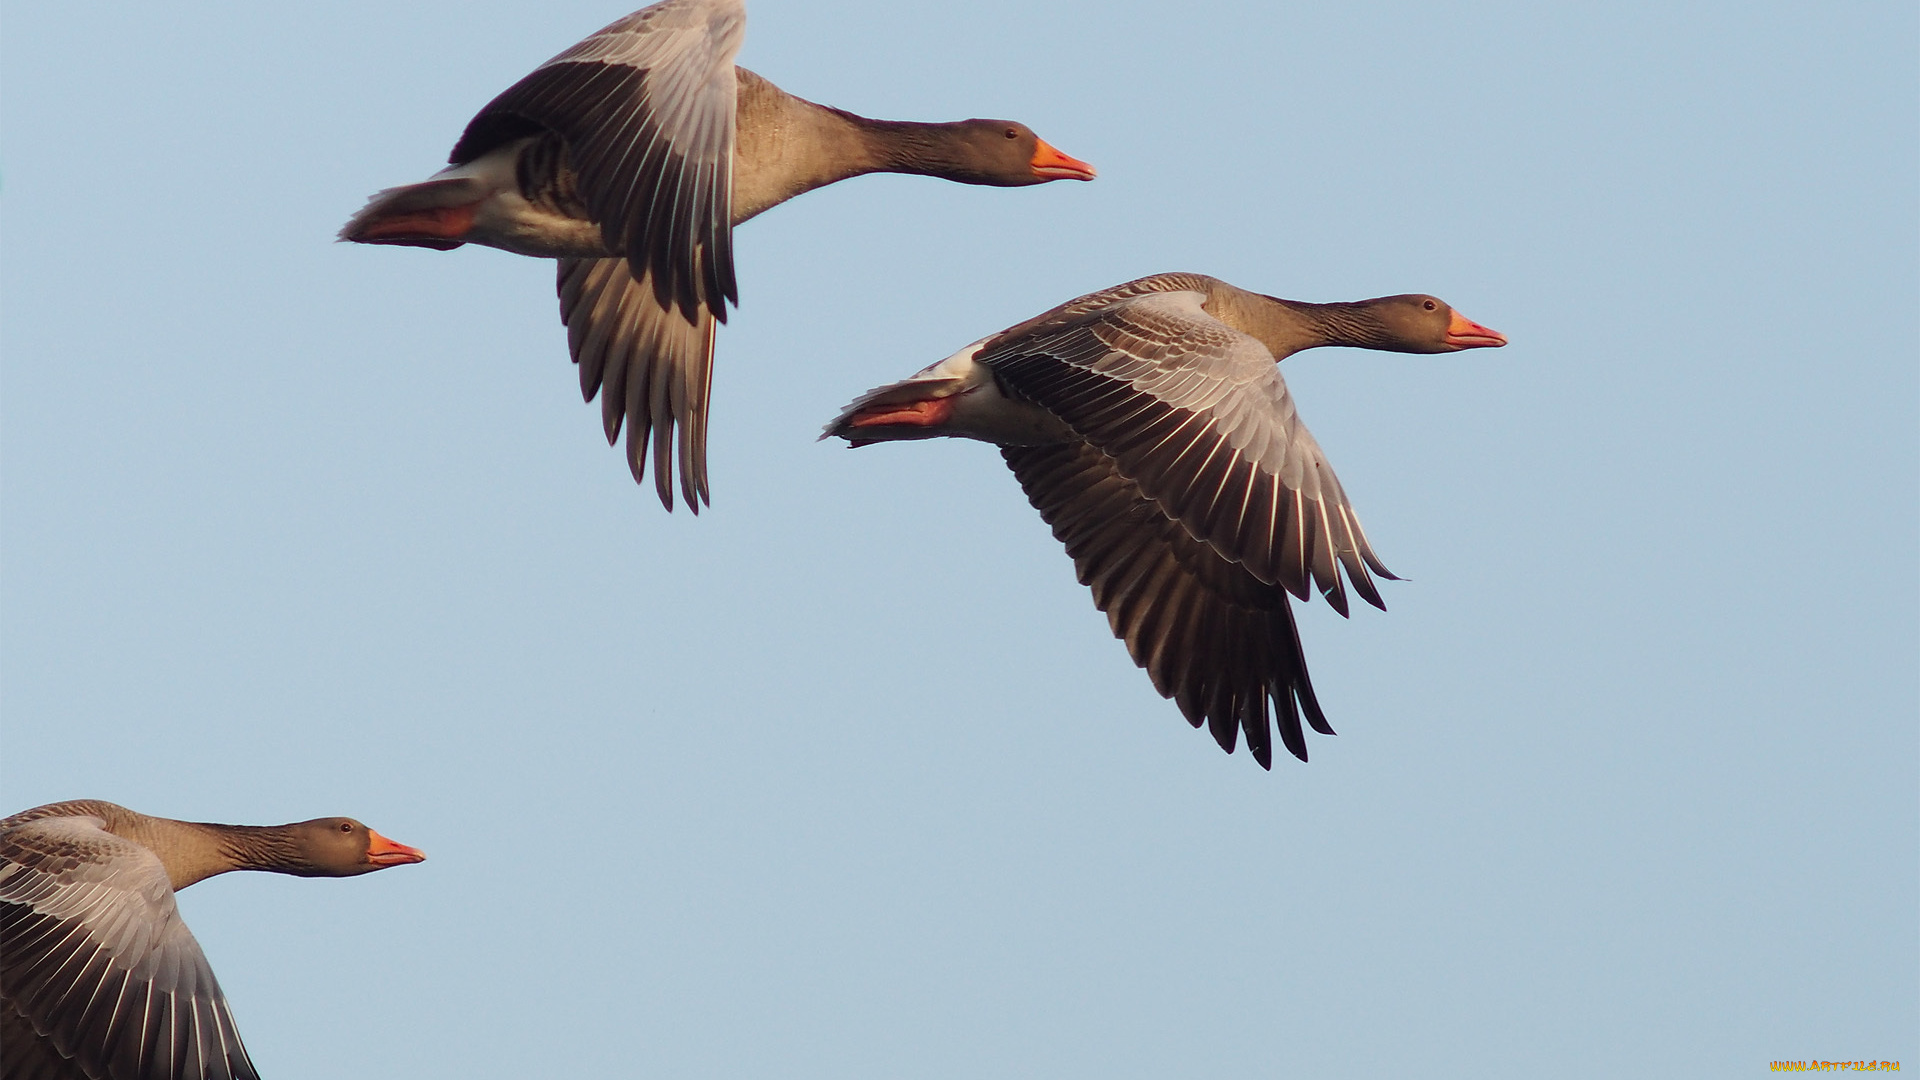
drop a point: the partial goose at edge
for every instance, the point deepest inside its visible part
(99, 977)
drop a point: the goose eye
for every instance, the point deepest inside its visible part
(1429, 305)
(1013, 133)
(345, 827)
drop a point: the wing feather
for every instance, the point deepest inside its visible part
(651, 367)
(1210, 634)
(96, 962)
(1195, 412)
(646, 106)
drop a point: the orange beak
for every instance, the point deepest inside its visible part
(1051, 164)
(1464, 333)
(382, 852)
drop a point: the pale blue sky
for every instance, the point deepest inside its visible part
(846, 777)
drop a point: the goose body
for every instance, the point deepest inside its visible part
(99, 977)
(629, 158)
(1149, 425)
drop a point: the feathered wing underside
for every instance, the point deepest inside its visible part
(1217, 640)
(24, 1055)
(95, 959)
(646, 106)
(1195, 412)
(651, 367)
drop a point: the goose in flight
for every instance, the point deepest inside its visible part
(629, 158)
(99, 977)
(1149, 425)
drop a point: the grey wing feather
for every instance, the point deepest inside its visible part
(95, 959)
(1195, 412)
(652, 369)
(646, 106)
(1213, 637)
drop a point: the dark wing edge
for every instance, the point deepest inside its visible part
(25, 1054)
(95, 960)
(1214, 638)
(652, 369)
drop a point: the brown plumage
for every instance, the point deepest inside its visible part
(1149, 425)
(99, 977)
(630, 157)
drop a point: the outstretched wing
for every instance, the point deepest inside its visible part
(95, 960)
(646, 106)
(652, 368)
(1213, 637)
(1195, 413)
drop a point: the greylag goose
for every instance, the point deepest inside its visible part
(99, 978)
(1149, 425)
(629, 158)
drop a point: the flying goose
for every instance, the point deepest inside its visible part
(1149, 425)
(629, 158)
(99, 977)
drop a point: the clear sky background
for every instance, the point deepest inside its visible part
(846, 777)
